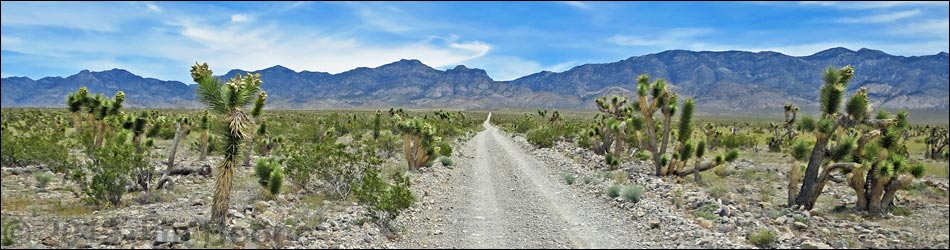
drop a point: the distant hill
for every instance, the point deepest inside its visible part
(721, 81)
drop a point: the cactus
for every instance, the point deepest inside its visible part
(611, 128)
(937, 142)
(229, 100)
(869, 150)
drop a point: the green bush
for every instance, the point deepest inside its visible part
(762, 238)
(724, 171)
(569, 178)
(633, 193)
(329, 166)
(445, 149)
(43, 178)
(732, 141)
(446, 161)
(642, 155)
(276, 180)
(10, 227)
(386, 201)
(706, 212)
(263, 169)
(542, 137)
(613, 191)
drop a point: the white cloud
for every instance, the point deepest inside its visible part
(926, 28)
(671, 38)
(870, 4)
(238, 18)
(102, 17)
(388, 18)
(577, 4)
(153, 7)
(882, 18)
(261, 47)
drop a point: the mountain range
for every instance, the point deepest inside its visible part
(723, 81)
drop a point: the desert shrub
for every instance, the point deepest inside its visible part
(718, 192)
(706, 212)
(263, 170)
(10, 228)
(641, 155)
(386, 201)
(762, 238)
(337, 167)
(569, 178)
(633, 193)
(446, 161)
(42, 178)
(724, 171)
(276, 180)
(445, 149)
(732, 141)
(613, 191)
(542, 137)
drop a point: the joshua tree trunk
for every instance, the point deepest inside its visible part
(204, 145)
(166, 175)
(809, 191)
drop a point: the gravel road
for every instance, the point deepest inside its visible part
(498, 196)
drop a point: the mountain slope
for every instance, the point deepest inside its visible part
(729, 80)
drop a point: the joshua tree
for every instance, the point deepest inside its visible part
(255, 119)
(876, 167)
(713, 136)
(419, 141)
(611, 128)
(204, 126)
(181, 129)
(775, 142)
(660, 98)
(228, 100)
(937, 143)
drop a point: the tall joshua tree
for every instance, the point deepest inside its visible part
(228, 100)
(655, 97)
(848, 141)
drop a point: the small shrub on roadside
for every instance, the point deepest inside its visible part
(568, 178)
(541, 137)
(9, 228)
(613, 191)
(633, 193)
(446, 161)
(762, 238)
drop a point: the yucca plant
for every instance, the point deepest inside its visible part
(868, 149)
(653, 97)
(228, 100)
(204, 126)
(419, 141)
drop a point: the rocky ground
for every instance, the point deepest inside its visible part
(54, 218)
(501, 192)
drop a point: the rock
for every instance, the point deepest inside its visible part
(780, 220)
(436, 232)
(165, 236)
(239, 223)
(704, 223)
(838, 244)
(800, 225)
(654, 224)
(368, 239)
(180, 225)
(809, 244)
(144, 246)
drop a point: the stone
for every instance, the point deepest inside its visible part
(838, 244)
(239, 223)
(323, 226)
(800, 225)
(654, 224)
(809, 244)
(165, 236)
(704, 223)
(780, 220)
(180, 225)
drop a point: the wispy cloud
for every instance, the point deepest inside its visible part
(870, 4)
(153, 7)
(577, 4)
(882, 18)
(939, 28)
(676, 37)
(239, 18)
(388, 18)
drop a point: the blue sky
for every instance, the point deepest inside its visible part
(507, 39)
